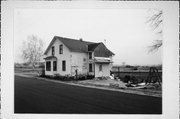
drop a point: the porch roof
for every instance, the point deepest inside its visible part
(102, 60)
(50, 58)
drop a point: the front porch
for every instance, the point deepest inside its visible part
(102, 66)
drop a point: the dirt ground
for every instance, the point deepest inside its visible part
(119, 85)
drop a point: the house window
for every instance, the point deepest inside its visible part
(53, 52)
(90, 55)
(54, 65)
(63, 65)
(90, 67)
(60, 49)
(100, 67)
(48, 66)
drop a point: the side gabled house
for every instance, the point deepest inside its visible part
(65, 56)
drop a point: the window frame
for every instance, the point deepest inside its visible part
(48, 65)
(54, 65)
(61, 49)
(90, 67)
(100, 67)
(64, 65)
(53, 50)
(90, 55)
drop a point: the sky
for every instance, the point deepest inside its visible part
(126, 32)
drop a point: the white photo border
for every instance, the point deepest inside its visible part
(170, 109)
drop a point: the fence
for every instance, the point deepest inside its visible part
(141, 74)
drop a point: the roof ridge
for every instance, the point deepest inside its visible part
(74, 39)
(75, 44)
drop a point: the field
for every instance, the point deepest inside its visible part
(28, 71)
(140, 75)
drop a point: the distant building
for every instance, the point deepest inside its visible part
(65, 56)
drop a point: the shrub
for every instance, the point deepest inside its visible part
(90, 76)
(134, 80)
(126, 79)
(82, 78)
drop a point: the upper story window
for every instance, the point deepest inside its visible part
(90, 55)
(60, 49)
(53, 52)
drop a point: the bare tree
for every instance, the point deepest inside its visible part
(155, 21)
(32, 49)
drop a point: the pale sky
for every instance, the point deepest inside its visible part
(126, 33)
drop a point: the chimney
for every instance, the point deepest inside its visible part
(81, 39)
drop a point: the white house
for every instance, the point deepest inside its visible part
(65, 56)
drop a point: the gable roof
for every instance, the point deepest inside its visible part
(72, 44)
(102, 51)
(92, 46)
(75, 45)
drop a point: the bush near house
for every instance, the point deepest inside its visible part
(68, 77)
